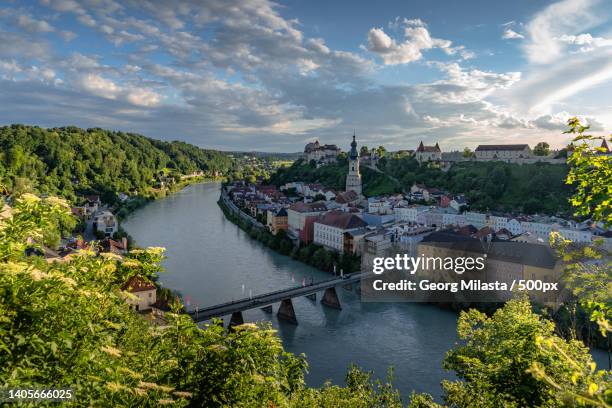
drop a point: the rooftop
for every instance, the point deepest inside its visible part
(342, 220)
(513, 147)
(138, 284)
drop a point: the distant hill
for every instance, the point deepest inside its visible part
(70, 161)
(270, 155)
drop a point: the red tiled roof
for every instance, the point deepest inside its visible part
(347, 197)
(342, 220)
(423, 148)
(483, 232)
(138, 284)
(308, 207)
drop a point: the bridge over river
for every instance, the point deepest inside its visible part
(284, 296)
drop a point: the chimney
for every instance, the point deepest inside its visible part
(124, 243)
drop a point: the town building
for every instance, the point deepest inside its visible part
(106, 223)
(330, 229)
(428, 153)
(508, 153)
(409, 213)
(321, 154)
(143, 291)
(353, 178)
(278, 221)
(479, 220)
(298, 212)
(458, 203)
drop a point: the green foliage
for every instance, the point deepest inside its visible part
(501, 361)
(70, 161)
(532, 188)
(591, 173)
(33, 223)
(468, 154)
(334, 176)
(541, 149)
(66, 324)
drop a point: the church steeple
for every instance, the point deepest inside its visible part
(353, 178)
(354, 153)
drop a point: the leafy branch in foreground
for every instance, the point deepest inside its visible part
(66, 324)
(591, 172)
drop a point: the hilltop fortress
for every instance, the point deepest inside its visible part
(508, 153)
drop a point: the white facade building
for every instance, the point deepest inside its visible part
(330, 230)
(409, 214)
(479, 220)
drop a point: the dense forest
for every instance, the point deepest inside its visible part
(531, 188)
(70, 161)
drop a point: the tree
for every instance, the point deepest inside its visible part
(364, 150)
(468, 154)
(381, 151)
(68, 324)
(590, 172)
(501, 360)
(541, 149)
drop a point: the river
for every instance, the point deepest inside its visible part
(210, 261)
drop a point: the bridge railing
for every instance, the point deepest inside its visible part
(264, 295)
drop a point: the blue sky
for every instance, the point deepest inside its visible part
(262, 75)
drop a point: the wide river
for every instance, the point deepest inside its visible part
(211, 261)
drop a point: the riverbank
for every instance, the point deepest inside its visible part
(124, 209)
(309, 254)
(325, 260)
(211, 260)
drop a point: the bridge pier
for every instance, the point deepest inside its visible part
(267, 309)
(312, 296)
(286, 312)
(236, 319)
(330, 298)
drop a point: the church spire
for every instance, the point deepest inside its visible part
(353, 154)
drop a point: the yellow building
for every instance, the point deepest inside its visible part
(278, 221)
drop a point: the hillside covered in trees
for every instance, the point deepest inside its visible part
(531, 188)
(334, 176)
(70, 161)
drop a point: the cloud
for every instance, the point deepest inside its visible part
(32, 25)
(239, 75)
(106, 88)
(586, 41)
(565, 17)
(416, 39)
(510, 34)
(67, 35)
(558, 122)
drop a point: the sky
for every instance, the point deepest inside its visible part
(272, 76)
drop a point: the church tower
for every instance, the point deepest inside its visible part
(353, 178)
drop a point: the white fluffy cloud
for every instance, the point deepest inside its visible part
(586, 41)
(416, 40)
(235, 74)
(107, 88)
